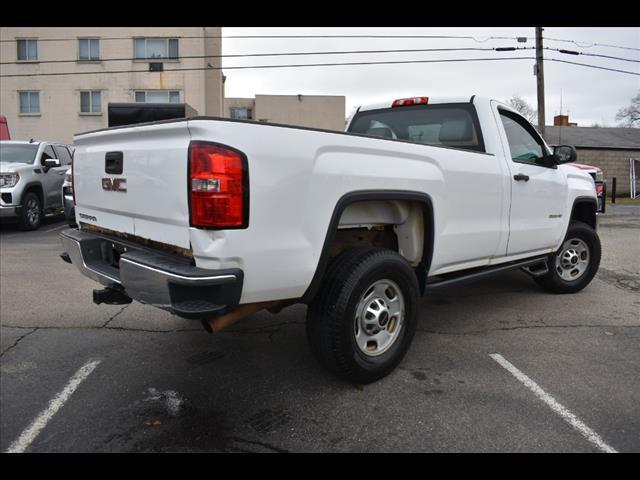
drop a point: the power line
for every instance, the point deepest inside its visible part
(592, 66)
(270, 66)
(246, 67)
(347, 52)
(278, 54)
(460, 37)
(590, 45)
(573, 52)
(464, 37)
(443, 37)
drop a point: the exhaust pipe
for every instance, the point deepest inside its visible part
(218, 324)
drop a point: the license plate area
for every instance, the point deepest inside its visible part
(110, 252)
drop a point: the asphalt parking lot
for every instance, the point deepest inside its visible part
(77, 377)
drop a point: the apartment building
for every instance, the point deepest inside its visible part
(103, 65)
(317, 111)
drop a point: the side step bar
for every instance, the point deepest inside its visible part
(533, 266)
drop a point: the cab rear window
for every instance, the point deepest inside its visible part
(448, 125)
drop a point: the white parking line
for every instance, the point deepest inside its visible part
(561, 410)
(32, 431)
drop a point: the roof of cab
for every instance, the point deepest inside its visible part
(432, 101)
(36, 142)
(26, 142)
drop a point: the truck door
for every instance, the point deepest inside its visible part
(53, 179)
(538, 188)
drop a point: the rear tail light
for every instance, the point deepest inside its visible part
(403, 102)
(218, 186)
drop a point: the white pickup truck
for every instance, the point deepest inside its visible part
(214, 219)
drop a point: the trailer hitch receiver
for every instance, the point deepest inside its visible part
(110, 296)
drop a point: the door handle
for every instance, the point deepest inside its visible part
(520, 177)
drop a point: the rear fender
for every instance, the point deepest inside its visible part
(424, 200)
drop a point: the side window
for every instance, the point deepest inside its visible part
(62, 154)
(524, 146)
(47, 154)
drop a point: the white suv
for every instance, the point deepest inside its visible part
(31, 176)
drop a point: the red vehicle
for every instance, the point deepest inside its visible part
(4, 128)
(598, 178)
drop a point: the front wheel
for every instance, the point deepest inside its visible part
(573, 266)
(31, 212)
(362, 321)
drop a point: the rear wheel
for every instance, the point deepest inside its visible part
(362, 321)
(31, 212)
(573, 266)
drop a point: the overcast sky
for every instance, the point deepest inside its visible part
(588, 95)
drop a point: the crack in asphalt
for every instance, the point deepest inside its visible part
(270, 330)
(625, 281)
(114, 316)
(128, 329)
(267, 329)
(519, 327)
(255, 442)
(33, 329)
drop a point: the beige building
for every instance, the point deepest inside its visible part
(57, 106)
(317, 111)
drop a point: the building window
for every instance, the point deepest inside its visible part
(158, 96)
(91, 102)
(145, 48)
(241, 113)
(88, 49)
(29, 102)
(28, 50)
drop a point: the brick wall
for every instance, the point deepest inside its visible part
(614, 163)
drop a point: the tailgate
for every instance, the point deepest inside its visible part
(149, 197)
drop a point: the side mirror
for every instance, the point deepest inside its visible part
(564, 154)
(51, 162)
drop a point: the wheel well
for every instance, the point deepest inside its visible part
(396, 219)
(37, 189)
(585, 211)
(394, 224)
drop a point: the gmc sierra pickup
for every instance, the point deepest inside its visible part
(214, 219)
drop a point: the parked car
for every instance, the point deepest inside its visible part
(214, 219)
(601, 184)
(31, 176)
(67, 199)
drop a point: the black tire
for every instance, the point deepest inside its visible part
(331, 316)
(29, 219)
(553, 282)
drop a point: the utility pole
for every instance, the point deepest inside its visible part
(540, 78)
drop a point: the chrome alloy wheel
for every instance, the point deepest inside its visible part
(33, 211)
(379, 317)
(573, 259)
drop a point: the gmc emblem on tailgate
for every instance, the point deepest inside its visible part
(114, 184)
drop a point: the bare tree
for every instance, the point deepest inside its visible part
(630, 116)
(526, 110)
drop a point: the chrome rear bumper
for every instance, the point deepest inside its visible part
(152, 277)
